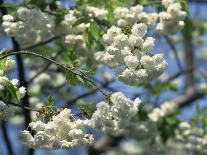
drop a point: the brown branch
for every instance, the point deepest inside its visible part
(189, 96)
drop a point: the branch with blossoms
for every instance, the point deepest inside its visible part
(116, 34)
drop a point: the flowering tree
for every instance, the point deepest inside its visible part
(63, 55)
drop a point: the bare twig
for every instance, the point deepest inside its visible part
(34, 46)
(67, 68)
(43, 69)
(175, 52)
(90, 92)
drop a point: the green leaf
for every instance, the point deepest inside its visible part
(142, 2)
(50, 100)
(172, 120)
(95, 31)
(88, 70)
(12, 4)
(71, 78)
(39, 3)
(88, 38)
(184, 5)
(81, 20)
(60, 14)
(10, 92)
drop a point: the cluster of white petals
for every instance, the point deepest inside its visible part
(8, 91)
(193, 138)
(99, 13)
(112, 118)
(28, 23)
(62, 132)
(126, 16)
(172, 16)
(130, 53)
(165, 109)
(74, 35)
(6, 111)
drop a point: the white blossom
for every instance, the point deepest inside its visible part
(6, 111)
(29, 23)
(130, 52)
(164, 110)
(172, 16)
(113, 118)
(62, 132)
(99, 13)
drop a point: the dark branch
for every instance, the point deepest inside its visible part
(6, 138)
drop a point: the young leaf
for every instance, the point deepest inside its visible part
(95, 31)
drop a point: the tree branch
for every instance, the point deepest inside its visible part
(189, 96)
(90, 92)
(67, 68)
(175, 52)
(6, 138)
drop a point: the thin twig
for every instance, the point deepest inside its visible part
(43, 69)
(72, 70)
(34, 45)
(90, 92)
(175, 52)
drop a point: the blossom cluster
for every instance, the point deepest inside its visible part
(164, 110)
(127, 16)
(8, 90)
(193, 138)
(174, 15)
(74, 35)
(129, 54)
(113, 117)
(6, 111)
(28, 23)
(62, 132)
(99, 13)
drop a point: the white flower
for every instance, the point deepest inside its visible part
(112, 118)
(131, 62)
(172, 16)
(139, 30)
(128, 52)
(148, 44)
(99, 13)
(6, 111)
(41, 23)
(164, 110)
(14, 82)
(62, 132)
(8, 18)
(22, 91)
(167, 3)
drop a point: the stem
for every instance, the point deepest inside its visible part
(175, 52)
(35, 45)
(72, 70)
